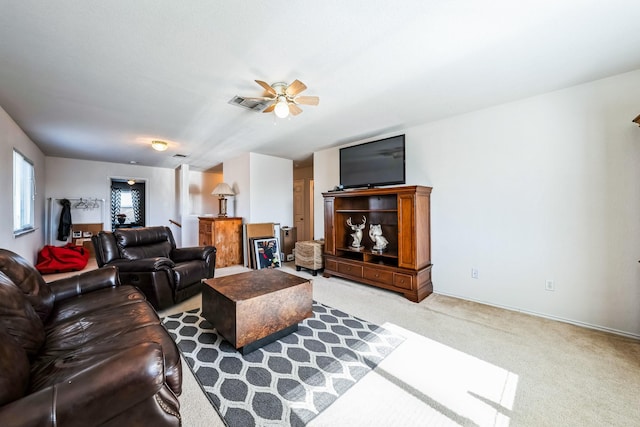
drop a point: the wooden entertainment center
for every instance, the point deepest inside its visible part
(404, 214)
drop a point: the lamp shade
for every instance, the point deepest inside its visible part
(222, 189)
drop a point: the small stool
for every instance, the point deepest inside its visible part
(308, 255)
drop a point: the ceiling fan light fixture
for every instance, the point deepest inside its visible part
(159, 145)
(282, 107)
(283, 99)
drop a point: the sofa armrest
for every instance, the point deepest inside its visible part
(85, 282)
(192, 253)
(94, 395)
(143, 265)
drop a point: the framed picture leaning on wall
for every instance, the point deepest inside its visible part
(266, 252)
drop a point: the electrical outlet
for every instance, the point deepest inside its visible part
(549, 285)
(474, 273)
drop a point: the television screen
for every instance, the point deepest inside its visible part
(373, 163)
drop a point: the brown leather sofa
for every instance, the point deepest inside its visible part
(82, 351)
(148, 259)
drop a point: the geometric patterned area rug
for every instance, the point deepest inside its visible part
(289, 381)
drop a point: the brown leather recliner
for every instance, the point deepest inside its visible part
(82, 351)
(148, 259)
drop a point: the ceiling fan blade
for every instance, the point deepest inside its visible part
(306, 100)
(266, 87)
(294, 109)
(295, 88)
(270, 108)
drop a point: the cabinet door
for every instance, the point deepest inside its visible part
(227, 242)
(406, 231)
(204, 235)
(329, 230)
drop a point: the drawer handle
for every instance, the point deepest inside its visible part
(377, 275)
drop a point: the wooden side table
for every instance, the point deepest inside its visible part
(226, 235)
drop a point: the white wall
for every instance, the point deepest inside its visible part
(200, 202)
(326, 175)
(84, 178)
(263, 186)
(236, 174)
(271, 189)
(544, 188)
(11, 136)
(201, 184)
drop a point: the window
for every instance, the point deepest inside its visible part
(127, 203)
(24, 194)
(126, 206)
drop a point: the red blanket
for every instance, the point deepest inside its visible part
(60, 259)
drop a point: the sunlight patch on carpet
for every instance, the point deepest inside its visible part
(465, 389)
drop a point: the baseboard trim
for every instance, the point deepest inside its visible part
(548, 316)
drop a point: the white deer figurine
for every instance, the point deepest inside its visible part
(357, 232)
(375, 233)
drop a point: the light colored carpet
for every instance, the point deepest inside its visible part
(469, 364)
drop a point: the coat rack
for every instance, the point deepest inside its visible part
(84, 210)
(86, 204)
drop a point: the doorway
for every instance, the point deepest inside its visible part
(303, 208)
(127, 203)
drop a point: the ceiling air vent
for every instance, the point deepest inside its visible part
(249, 104)
(180, 156)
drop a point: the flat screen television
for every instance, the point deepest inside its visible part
(373, 163)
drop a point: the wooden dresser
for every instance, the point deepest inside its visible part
(226, 235)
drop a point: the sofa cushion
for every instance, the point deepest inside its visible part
(144, 242)
(14, 369)
(30, 282)
(106, 247)
(72, 308)
(18, 318)
(83, 331)
(187, 273)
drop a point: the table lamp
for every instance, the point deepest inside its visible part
(222, 190)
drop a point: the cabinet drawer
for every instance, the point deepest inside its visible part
(331, 265)
(205, 227)
(404, 281)
(350, 269)
(378, 275)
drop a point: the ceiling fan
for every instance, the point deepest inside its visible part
(285, 98)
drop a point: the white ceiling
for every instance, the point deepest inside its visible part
(98, 80)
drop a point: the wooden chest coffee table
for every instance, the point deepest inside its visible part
(255, 308)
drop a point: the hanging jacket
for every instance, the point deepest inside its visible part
(64, 227)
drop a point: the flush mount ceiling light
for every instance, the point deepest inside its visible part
(159, 145)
